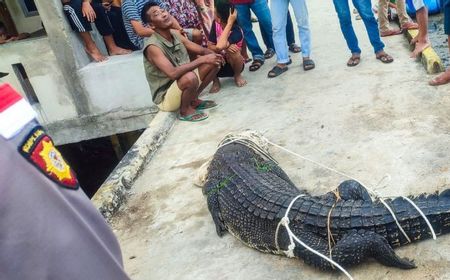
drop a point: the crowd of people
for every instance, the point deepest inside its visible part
(188, 44)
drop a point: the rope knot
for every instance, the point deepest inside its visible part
(285, 221)
(290, 251)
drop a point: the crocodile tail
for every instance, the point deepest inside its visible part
(436, 207)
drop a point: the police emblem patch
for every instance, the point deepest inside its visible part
(39, 150)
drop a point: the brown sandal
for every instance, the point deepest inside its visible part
(385, 58)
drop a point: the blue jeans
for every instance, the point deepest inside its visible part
(262, 12)
(290, 36)
(279, 9)
(365, 11)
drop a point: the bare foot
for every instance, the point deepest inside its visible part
(96, 55)
(420, 47)
(240, 81)
(118, 51)
(442, 79)
(215, 86)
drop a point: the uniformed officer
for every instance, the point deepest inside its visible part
(49, 229)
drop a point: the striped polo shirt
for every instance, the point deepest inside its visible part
(131, 10)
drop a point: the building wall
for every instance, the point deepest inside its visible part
(44, 74)
(23, 24)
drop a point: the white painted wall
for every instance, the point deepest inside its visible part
(45, 76)
(23, 24)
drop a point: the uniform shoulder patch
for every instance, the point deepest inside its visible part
(39, 150)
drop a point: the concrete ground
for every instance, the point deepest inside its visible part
(369, 121)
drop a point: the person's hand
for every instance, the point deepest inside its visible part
(232, 17)
(233, 48)
(88, 11)
(213, 58)
(107, 5)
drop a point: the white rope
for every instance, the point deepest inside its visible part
(250, 139)
(423, 215)
(290, 252)
(374, 193)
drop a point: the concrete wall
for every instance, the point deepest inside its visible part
(45, 76)
(23, 24)
(118, 84)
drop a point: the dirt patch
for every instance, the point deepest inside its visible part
(438, 38)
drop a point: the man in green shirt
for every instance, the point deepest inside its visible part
(174, 80)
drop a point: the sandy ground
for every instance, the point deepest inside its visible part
(370, 121)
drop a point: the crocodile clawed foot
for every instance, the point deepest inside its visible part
(406, 263)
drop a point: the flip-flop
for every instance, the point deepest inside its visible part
(256, 64)
(391, 33)
(206, 104)
(353, 61)
(269, 53)
(385, 58)
(308, 64)
(438, 82)
(294, 48)
(276, 71)
(198, 116)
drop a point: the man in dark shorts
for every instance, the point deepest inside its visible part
(80, 14)
(444, 78)
(226, 38)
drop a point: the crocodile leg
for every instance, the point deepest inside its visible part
(351, 189)
(213, 206)
(350, 250)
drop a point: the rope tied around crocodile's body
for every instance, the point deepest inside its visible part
(258, 143)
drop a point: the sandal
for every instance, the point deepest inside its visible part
(256, 64)
(391, 32)
(385, 58)
(294, 48)
(247, 60)
(269, 53)
(195, 117)
(206, 104)
(353, 61)
(308, 64)
(276, 71)
(410, 25)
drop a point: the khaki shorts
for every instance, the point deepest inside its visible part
(172, 99)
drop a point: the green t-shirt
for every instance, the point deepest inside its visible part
(175, 52)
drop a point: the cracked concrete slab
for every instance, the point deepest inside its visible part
(371, 121)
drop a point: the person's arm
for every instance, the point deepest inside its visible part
(88, 11)
(222, 42)
(194, 48)
(140, 29)
(154, 55)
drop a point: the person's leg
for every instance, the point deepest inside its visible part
(383, 20)
(290, 36)
(83, 27)
(404, 19)
(188, 84)
(105, 29)
(264, 35)
(237, 64)
(364, 8)
(207, 73)
(120, 34)
(278, 11)
(444, 78)
(345, 21)
(261, 9)
(245, 23)
(302, 18)
(421, 41)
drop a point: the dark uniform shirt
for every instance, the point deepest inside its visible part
(49, 229)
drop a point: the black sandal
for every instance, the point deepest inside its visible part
(269, 53)
(385, 58)
(294, 48)
(308, 64)
(276, 71)
(256, 64)
(353, 61)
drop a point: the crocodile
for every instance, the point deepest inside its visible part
(248, 194)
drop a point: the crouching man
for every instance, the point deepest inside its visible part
(174, 80)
